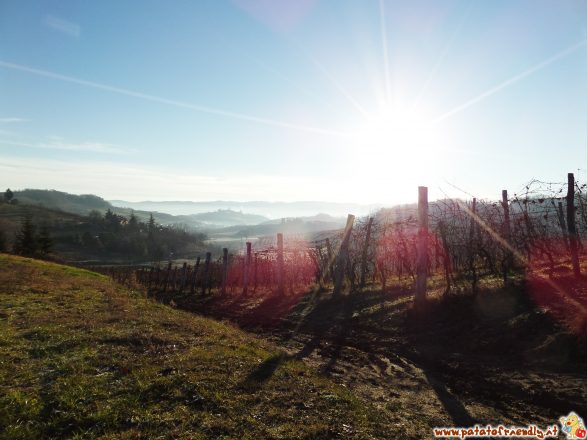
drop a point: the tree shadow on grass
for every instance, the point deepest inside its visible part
(256, 378)
(255, 310)
(340, 320)
(451, 404)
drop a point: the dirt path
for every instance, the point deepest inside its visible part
(493, 358)
(428, 372)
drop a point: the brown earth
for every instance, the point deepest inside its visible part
(514, 356)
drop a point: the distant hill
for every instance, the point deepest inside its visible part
(11, 217)
(86, 203)
(220, 220)
(76, 204)
(318, 218)
(299, 226)
(273, 210)
(100, 238)
(228, 217)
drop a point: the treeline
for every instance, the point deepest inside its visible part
(8, 197)
(30, 242)
(36, 231)
(136, 240)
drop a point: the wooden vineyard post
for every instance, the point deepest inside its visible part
(158, 279)
(150, 279)
(321, 268)
(365, 252)
(506, 215)
(224, 269)
(206, 278)
(195, 275)
(422, 246)
(342, 257)
(507, 234)
(184, 274)
(330, 256)
(280, 265)
(247, 270)
(571, 226)
(472, 246)
(255, 271)
(445, 255)
(294, 270)
(174, 280)
(563, 225)
(167, 276)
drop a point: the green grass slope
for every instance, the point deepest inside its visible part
(81, 357)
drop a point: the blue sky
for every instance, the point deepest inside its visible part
(358, 101)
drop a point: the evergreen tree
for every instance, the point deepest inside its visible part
(112, 220)
(26, 243)
(108, 215)
(2, 241)
(87, 239)
(8, 195)
(133, 223)
(153, 248)
(44, 240)
(151, 226)
(95, 217)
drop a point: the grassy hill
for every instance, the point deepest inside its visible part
(77, 204)
(81, 357)
(93, 238)
(84, 204)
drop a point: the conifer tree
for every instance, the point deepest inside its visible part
(8, 195)
(26, 242)
(44, 240)
(2, 241)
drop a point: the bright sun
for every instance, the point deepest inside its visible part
(398, 148)
(396, 136)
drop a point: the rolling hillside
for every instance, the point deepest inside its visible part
(76, 204)
(275, 210)
(225, 223)
(81, 357)
(96, 239)
(228, 217)
(305, 226)
(86, 203)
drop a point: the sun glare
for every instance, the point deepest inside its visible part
(398, 146)
(395, 134)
